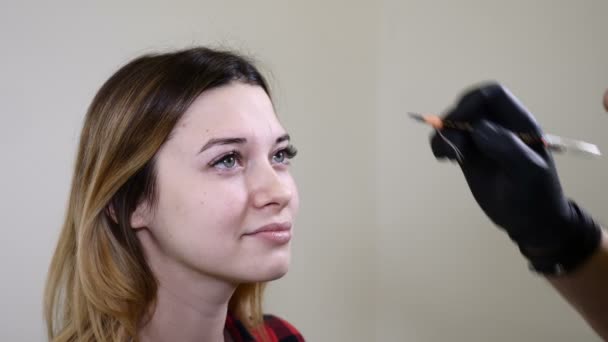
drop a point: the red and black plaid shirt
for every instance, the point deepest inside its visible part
(278, 330)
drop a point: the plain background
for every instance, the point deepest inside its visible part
(390, 245)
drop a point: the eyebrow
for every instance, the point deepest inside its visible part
(284, 137)
(239, 141)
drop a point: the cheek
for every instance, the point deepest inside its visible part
(221, 199)
(295, 198)
(192, 202)
(212, 209)
(200, 222)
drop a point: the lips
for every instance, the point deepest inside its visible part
(273, 227)
(276, 233)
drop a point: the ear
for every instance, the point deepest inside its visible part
(111, 213)
(141, 216)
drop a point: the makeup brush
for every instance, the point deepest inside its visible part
(552, 142)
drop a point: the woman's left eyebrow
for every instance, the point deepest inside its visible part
(284, 137)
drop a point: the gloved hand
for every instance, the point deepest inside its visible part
(515, 184)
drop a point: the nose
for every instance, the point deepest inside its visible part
(269, 188)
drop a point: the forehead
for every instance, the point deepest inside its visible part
(236, 108)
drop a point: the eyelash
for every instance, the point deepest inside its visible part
(290, 152)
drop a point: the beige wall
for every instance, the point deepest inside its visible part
(373, 259)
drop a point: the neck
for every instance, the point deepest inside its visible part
(180, 317)
(190, 306)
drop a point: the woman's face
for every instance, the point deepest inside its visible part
(226, 198)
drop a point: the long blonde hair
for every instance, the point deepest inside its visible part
(99, 286)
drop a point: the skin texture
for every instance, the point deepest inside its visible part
(198, 238)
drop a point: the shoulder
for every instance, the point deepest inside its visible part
(276, 328)
(281, 330)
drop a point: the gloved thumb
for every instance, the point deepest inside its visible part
(451, 144)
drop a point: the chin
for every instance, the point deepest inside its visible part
(277, 273)
(269, 268)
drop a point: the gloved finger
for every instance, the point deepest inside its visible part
(507, 111)
(493, 101)
(451, 144)
(508, 150)
(471, 105)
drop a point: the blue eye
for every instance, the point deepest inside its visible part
(227, 161)
(283, 156)
(279, 157)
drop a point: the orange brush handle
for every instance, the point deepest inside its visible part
(437, 123)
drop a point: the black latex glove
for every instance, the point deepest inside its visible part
(516, 184)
